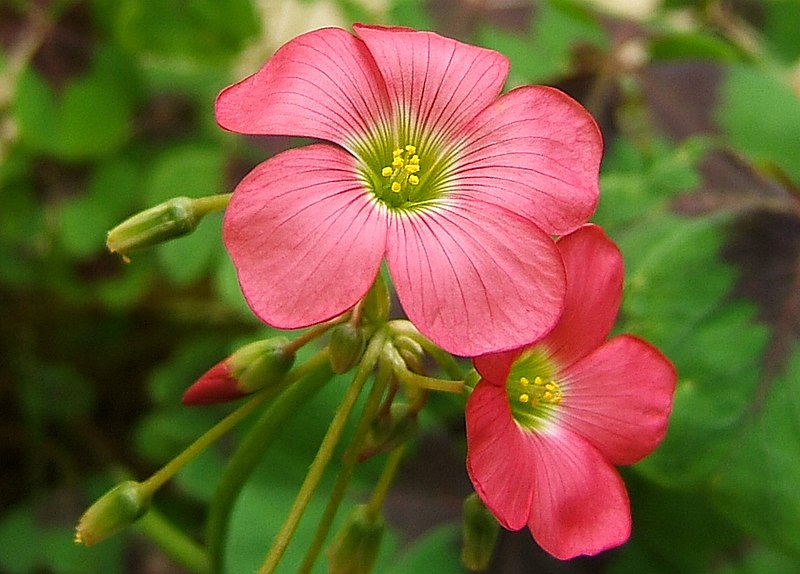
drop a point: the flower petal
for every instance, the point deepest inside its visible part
(594, 290)
(496, 459)
(435, 84)
(619, 398)
(475, 278)
(321, 84)
(305, 238)
(495, 367)
(535, 151)
(579, 503)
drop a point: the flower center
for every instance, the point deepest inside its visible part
(400, 178)
(533, 389)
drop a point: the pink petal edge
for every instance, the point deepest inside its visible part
(594, 290)
(537, 152)
(498, 468)
(432, 80)
(580, 505)
(474, 278)
(306, 240)
(619, 398)
(321, 84)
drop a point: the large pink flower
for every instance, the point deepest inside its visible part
(547, 423)
(459, 190)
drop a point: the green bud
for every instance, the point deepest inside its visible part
(378, 302)
(411, 352)
(356, 545)
(480, 534)
(346, 345)
(258, 364)
(168, 220)
(115, 510)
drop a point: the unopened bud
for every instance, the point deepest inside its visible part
(346, 345)
(247, 370)
(168, 220)
(480, 534)
(378, 302)
(115, 510)
(411, 352)
(356, 545)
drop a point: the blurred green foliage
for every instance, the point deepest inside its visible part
(106, 108)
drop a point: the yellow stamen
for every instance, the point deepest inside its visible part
(387, 171)
(538, 381)
(413, 180)
(396, 187)
(525, 382)
(523, 398)
(403, 170)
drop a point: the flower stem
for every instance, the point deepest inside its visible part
(385, 481)
(174, 542)
(169, 470)
(349, 461)
(324, 454)
(211, 203)
(430, 383)
(317, 372)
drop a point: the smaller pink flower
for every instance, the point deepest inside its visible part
(547, 423)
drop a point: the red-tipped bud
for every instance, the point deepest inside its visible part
(247, 370)
(115, 510)
(480, 534)
(346, 346)
(356, 545)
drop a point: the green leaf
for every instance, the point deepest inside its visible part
(757, 484)
(761, 116)
(438, 550)
(202, 31)
(547, 51)
(691, 45)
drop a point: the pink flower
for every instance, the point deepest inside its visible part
(547, 422)
(459, 190)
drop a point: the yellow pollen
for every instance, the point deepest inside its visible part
(538, 381)
(403, 170)
(523, 398)
(524, 381)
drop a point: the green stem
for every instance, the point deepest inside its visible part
(157, 480)
(384, 482)
(429, 383)
(350, 459)
(173, 542)
(316, 373)
(324, 454)
(211, 203)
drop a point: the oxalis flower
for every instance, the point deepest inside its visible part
(423, 166)
(547, 422)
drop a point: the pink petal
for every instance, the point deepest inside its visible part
(579, 505)
(594, 290)
(322, 84)
(619, 398)
(495, 367)
(306, 239)
(217, 385)
(535, 151)
(433, 81)
(475, 278)
(501, 474)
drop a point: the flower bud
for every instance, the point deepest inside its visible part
(346, 345)
(356, 545)
(411, 352)
(168, 220)
(378, 302)
(115, 510)
(480, 534)
(246, 371)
